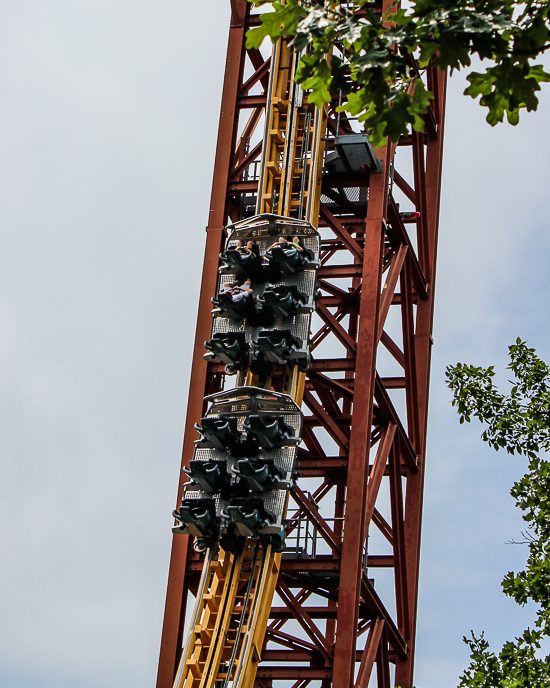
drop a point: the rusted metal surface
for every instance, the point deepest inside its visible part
(371, 344)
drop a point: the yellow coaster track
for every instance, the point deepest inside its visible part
(234, 598)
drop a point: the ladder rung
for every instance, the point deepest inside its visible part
(279, 103)
(212, 604)
(220, 568)
(276, 136)
(206, 637)
(195, 667)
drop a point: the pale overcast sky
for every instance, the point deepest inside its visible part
(108, 123)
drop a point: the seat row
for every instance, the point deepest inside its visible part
(236, 301)
(242, 518)
(286, 256)
(270, 346)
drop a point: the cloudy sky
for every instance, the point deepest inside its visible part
(108, 121)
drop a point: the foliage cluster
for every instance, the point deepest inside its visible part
(520, 423)
(375, 71)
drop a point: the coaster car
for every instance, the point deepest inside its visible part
(287, 259)
(231, 541)
(220, 432)
(276, 540)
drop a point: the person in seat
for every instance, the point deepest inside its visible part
(252, 247)
(296, 243)
(237, 290)
(282, 242)
(228, 287)
(243, 291)
(288, 242)
(241, 248)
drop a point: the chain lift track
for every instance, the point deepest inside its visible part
(305, 331)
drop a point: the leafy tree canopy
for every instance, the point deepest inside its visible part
(380, 81)
(520, 423)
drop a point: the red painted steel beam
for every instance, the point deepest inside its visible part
(260, 74)
(423, 342)
(341, 232)
(369, 653)
(304, 619)
(318, 564)
(286, 673)
(308, 613)
(352, 546)
(246, 161)
(287, 640)
(404, 185)
(172, 631)
(388, 409)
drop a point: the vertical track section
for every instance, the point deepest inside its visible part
(224, 646)
(292, 156)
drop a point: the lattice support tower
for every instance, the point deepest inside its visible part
(337, 607)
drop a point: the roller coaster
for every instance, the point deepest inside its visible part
(297, 529)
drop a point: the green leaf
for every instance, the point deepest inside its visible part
(283, 21)
(318, 84)
(481, 84)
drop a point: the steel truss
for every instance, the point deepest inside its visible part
(364, 437)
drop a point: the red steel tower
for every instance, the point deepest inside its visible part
(345, 585)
